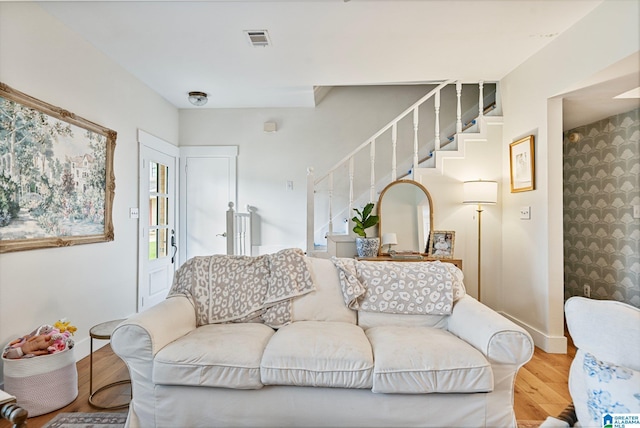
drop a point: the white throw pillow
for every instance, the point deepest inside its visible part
(600, 388)
(326, 302)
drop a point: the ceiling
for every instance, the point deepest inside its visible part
(603, 94)
(179, 46)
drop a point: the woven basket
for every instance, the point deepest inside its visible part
(42, 384)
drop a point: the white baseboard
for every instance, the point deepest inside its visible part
(549, 344)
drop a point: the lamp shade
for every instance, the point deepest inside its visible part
(480, 192)
(389, 239)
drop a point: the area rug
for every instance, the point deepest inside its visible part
(88, 420)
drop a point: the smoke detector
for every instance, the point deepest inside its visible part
(258, 38)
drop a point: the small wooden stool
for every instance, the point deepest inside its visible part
(103, 331)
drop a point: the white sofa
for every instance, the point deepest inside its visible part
(330, 367)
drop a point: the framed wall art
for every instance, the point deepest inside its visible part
(56, 176)
(441, 244)
(522, 163)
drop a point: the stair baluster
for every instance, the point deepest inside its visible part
(351, 177)
(330, 203)
(480, 99)
(436, 106)
(415, 142)
(372, 155)
(459, 107)
(394, 145)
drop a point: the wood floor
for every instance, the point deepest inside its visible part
(540, 391)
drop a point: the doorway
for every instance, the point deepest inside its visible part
(157, 226)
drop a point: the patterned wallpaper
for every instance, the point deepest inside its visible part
(601, 184)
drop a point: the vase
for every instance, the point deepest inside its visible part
(367, 247)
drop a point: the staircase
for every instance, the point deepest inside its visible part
(414, 139)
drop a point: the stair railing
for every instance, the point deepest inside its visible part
(370, 143)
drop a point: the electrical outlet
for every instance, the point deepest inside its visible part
(636, 211)
(133, 213)
(525, 213)
(289, 185)
(586, 290)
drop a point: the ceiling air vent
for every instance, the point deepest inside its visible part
(258, 38)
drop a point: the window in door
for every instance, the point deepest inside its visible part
(158, 211)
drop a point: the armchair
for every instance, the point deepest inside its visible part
(604, 378)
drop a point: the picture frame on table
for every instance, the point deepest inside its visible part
(522, 164)
(56, 176)
(441, 244)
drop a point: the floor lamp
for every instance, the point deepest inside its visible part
(480, 192)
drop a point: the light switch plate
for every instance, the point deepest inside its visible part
(133, 213)
(636, 211)
(525, 213)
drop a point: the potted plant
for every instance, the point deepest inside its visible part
(366, 247)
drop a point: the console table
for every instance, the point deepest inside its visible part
(387, 258)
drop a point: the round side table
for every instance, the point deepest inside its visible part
(103, 331)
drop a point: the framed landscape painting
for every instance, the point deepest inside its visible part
(56, 176)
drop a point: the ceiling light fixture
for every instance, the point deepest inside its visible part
(198, 98)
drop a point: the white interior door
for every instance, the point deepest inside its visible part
(207, 185)
(157, 225)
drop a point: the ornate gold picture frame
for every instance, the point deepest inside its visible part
(56, 176)
(521, 154)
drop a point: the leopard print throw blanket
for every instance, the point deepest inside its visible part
(244, 289)
(416, 288)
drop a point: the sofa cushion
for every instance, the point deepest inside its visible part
(322, 354)
(420, 360)
(326, 302)
(218, 355)
(368, 320)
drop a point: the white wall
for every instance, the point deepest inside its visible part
(532, 256)
(93, 283)
(314, 137)
(481, 161)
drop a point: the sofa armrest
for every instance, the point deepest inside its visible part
(145, 333)
(499, 339)
(138, 339)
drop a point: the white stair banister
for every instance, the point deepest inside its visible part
(385, 128)
(229, 234)
(401, 156)
(459, 106)
(239, 231)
